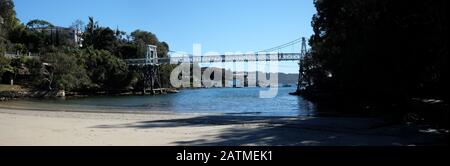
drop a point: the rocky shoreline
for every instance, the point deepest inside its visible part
(11, 95)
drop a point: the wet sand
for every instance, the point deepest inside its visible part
(20, 127)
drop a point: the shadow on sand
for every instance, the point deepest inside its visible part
(293, 131)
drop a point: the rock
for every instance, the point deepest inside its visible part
(61, 93)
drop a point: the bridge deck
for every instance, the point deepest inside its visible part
(218, 59)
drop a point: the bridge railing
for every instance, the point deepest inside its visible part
(237, 58)
(219, 58)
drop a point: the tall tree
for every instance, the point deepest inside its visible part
(8, 14)
(8, 22)
(89, 34)
(3, 37)
(106, 71)
(144, 38)
(102, 38)
(380, 50)
(62, 72)
(5, 66)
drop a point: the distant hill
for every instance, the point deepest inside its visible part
(283, 78)
(287, 78)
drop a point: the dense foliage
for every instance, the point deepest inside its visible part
(379, 50)
(58, 64)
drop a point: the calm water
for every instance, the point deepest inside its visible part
(241, 101)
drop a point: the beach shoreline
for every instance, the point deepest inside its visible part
(24, 127)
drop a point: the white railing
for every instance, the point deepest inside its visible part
(219, 58)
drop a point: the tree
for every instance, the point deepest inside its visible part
(105, 39)
(62, 72)
(8, 14)
(379, 50)
(102, 38)
(39, 24)
(8, 22)
(33, 40)
(120, 35)
(89, 34)
(3, 36)
(5, 66)
(164, 74)
(128, 51)
(3, 41)
(163, 50)
(97, 66)
(143, 38)
(106, 71)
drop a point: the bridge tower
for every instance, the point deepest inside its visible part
(152, 55)
(150, 73)
(300, 71)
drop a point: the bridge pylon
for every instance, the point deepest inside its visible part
(300, 66)
(148, 69)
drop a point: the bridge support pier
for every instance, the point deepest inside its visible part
(150, 78)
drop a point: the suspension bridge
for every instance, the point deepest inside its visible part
(149, 65)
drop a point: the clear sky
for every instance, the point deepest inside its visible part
(218, 25)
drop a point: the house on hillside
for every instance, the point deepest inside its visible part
(62, 35)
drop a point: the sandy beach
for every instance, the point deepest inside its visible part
(55, 128)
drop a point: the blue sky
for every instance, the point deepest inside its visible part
(219, 25)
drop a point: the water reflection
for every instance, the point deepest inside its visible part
(242, 101)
